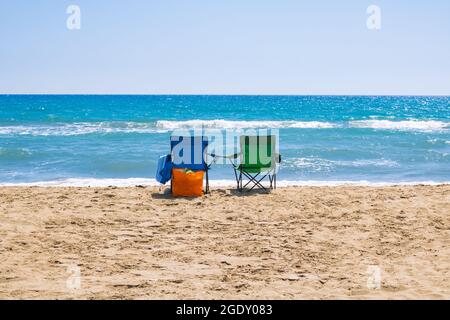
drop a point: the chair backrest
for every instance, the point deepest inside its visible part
(189, 152)
(258, 151)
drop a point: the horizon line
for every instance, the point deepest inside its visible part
(225, 94)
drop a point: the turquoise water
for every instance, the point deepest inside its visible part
(322, 138)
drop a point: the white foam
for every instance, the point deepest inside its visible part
(359, 183)
(369, 163)
(319, 164)
(228, 124)
(87, 182)
(226, 183)
(80, 128)
(428, 125)
(314, 164)
(162, 126)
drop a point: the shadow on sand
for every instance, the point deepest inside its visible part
(166, 195)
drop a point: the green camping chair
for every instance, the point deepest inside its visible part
(258, 160)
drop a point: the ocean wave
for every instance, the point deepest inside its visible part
(319, 164)
(81, 128)
(230, 124)
(87, 182)
(312, 164)
(419, 125)
(357, 183)
(14, 153)
(132, 182)
(369, 163)
(438, 142)
(164, 126)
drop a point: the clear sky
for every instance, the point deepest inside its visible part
(225, 47)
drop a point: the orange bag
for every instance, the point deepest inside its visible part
(187, 183)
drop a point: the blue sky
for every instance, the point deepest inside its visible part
(225, 47)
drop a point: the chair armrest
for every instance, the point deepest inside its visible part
(229, 156)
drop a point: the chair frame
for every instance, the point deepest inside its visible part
(239, 173)
(258, 177)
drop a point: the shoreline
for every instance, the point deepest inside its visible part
(223, 183)
(293, 243)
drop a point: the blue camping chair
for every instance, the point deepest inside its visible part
(190, 152)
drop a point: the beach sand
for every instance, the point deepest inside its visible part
(294, 243)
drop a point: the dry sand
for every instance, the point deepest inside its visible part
(295, 243)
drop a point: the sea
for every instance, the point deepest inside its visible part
(102, 140)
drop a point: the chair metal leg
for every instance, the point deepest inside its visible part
(237, 178)
(273, 180)
(240, 180)
(207, 182)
